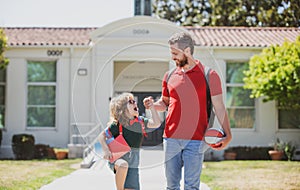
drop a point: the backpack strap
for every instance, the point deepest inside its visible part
(141, 121)
(120, 129)
(169, 75)
(210, 112)
(207, 72)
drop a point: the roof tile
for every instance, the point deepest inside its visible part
(48, 36)
(242, 36)
(204, 36)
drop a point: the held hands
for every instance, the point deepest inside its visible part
(154, 120)
(148, 102)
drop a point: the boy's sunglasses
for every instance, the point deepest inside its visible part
(131, 101)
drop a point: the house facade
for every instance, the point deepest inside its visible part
(59, 81)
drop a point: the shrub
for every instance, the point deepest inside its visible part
(250, 153)
(42, 151)
(275, 73)
(23, 146)
(51, 153)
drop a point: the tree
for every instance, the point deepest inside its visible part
(3, 63)
(185, 13)
(265, 13)
(275, 74)
(223, 12)
(3, 46)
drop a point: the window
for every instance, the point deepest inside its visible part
(41, 97)
(240, 107)
(288, 119)
(2, 96)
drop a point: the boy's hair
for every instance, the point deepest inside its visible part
(118, 109)
(183, 40)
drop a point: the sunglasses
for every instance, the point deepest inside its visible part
(131, 101)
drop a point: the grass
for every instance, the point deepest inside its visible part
(32, 174)
(224, 175)
(252, 175)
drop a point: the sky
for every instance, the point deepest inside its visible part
(63, 13)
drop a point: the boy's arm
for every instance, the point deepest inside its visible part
(153, 122)
(106, 152)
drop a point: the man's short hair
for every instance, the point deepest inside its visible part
(183, 40)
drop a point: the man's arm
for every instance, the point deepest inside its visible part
(222, 116)
(162, 104)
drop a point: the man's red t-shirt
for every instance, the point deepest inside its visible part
(187, 117)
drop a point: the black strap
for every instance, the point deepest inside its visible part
(209, 105)
(169, 75)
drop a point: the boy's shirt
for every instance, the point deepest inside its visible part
(133, 133)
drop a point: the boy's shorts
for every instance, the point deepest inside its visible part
(132, 178)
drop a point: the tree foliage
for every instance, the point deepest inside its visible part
(3, 46)
(185, 13)
(275, 74)
(266, 13)
(271, 13)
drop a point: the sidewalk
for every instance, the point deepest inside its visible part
(100, 177)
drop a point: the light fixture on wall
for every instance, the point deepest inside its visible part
(82, 72)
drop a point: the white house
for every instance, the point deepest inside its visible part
(59, 81)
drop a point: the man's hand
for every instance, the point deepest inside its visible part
(222, 144)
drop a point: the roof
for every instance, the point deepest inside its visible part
(242, 36)
(204, 36)
(48, 36)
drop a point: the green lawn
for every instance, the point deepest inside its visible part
(252, 175)
(25, 175)
(224, 175)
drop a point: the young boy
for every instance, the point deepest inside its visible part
(124, 112)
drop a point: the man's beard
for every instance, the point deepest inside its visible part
(182, 63)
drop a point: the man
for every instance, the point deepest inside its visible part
(184, 96)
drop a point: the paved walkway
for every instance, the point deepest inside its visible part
(99, 176)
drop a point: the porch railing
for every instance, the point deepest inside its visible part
(80, 131)
(85, 136)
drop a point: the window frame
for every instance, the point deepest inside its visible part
(55, 84)
(232, 85)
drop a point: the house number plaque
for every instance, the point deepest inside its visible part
(54, 52)
(140, 31)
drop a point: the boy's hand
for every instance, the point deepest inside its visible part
(107, 154)
(148, 102)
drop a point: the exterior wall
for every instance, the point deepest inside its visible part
(80, 86)
(137, 40)
(16, 98)
(104, 84)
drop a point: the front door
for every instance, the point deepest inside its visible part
(154, 137)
